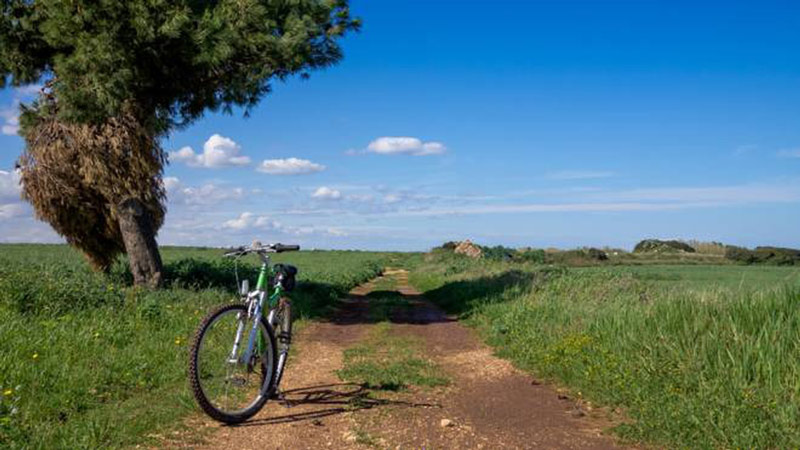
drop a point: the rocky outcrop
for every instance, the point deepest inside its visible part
(469, 249)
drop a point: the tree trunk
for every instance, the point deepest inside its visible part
(136, 226)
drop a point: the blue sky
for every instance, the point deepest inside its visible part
(532, 123)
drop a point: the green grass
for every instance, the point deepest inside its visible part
(87, 361)
(389, 362)
(707, 276)
(383, 304)
(384, 284)
(363, 437)
(696, 357)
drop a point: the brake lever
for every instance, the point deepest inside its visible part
(234, 252)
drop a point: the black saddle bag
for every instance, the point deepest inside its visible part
(286, 275)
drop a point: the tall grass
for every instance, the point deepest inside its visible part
(708, 248)
(714, 367)
(87, 361)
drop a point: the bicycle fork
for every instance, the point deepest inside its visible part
(252, 334)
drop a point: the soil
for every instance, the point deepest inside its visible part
(487, 404)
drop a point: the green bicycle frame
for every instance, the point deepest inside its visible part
(262, 285)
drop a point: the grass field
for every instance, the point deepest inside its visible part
(86, 361)
(704, 277)
(695, 356)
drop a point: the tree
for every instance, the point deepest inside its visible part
(118, 76)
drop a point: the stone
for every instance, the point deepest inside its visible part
(469, 249)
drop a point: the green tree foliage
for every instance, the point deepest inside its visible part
(144, 67)
(172, 60)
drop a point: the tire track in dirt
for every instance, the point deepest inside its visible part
(489, 404)
(502, 406)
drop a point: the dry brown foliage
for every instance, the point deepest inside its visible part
(75, 175)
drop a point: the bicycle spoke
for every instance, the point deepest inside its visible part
(236, 386)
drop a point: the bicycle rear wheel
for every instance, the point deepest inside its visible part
(282, 324)
(225, 386)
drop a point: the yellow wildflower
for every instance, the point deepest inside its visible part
(8, 392)
(35, 356)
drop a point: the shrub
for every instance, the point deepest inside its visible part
(658, 246)
(740, 254)
(498, 253)
(578, 257)
(764, 255)
(449, 245)
(596, 254)
(708, 248)
(531, 255)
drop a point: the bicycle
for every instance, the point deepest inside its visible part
(236, 363)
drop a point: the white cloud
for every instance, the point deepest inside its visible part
(791, 153)
(289, 166)
(247, 221)
(171, 184)
(327, 193)
(392, 198)
(10, 117)
(11, 210)
(207, 194)
(405, 146)
(399, 203)
(719, 195)
(578, 174)
(250, 221)
(9, 185)
(218, 151)
(658, 199)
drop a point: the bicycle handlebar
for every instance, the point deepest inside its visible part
(257, 247)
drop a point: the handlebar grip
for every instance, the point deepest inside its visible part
(286, 248)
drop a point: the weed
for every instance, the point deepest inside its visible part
(388, 362)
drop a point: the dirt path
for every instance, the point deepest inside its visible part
(487, 404)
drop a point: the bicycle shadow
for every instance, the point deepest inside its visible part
(335, 399)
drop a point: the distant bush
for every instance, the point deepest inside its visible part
(708, 248)
(577, 257)
(596, 254)
(659, 246)
(498, 253)
(531, 255)
(449, 245)
(764, 255)
(740, 254)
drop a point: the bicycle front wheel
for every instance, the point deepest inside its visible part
(227, 387)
